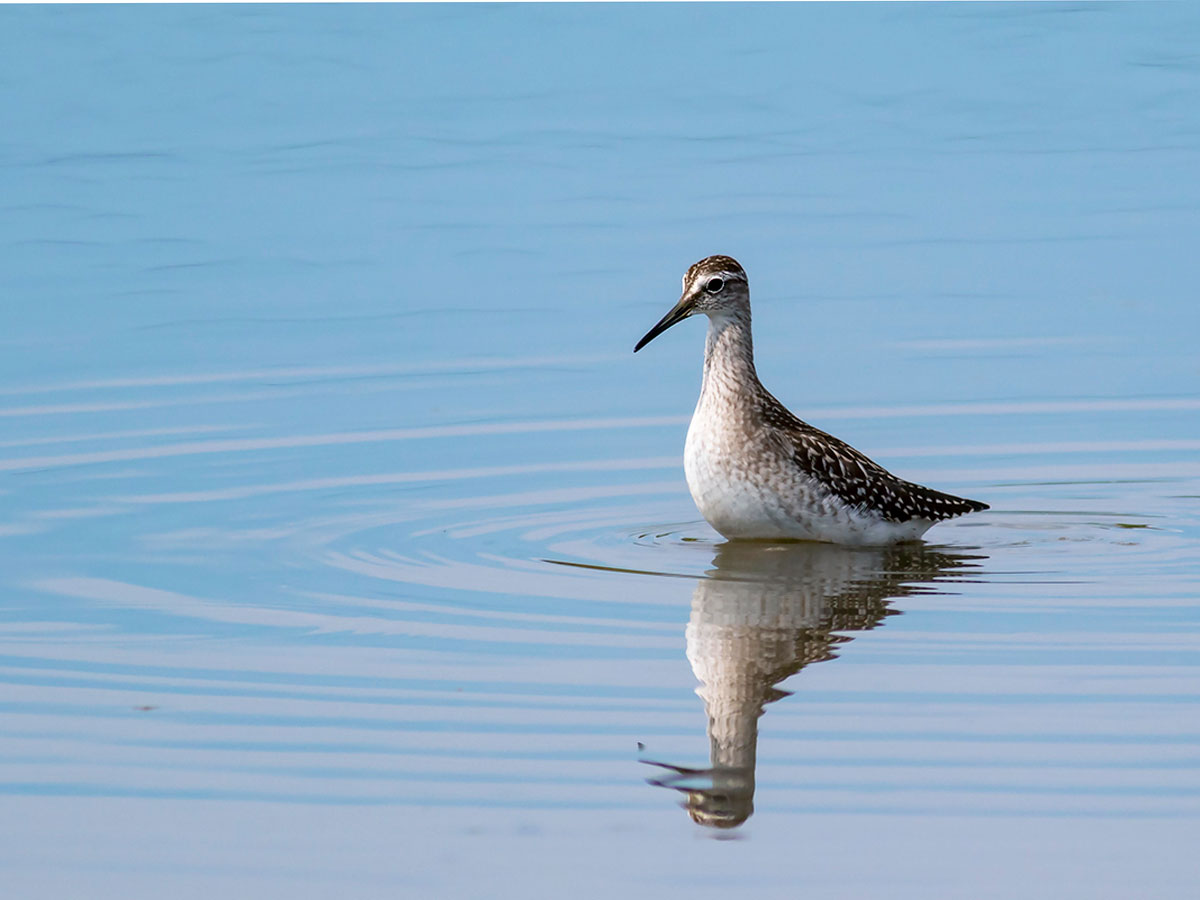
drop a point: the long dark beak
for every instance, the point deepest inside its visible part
(678, 313)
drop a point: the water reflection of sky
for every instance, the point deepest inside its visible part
(343, 541)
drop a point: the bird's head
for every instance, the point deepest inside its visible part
(715, 286)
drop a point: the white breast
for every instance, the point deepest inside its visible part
(728, 489)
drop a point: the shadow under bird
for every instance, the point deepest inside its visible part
(758, 472)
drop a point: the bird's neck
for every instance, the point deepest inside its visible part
(729, 354)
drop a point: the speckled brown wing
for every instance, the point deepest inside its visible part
(853, 477)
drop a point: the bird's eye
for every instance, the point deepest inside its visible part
(714, 285)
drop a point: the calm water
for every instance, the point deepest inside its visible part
(344, 545)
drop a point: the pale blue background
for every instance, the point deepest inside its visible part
(240, 247)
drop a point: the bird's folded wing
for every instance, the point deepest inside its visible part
(854, 478)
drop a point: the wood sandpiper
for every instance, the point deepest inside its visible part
(758, 472)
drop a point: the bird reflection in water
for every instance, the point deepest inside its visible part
(763, 613)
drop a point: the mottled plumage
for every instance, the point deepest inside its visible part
(757, 471)
(853, 477)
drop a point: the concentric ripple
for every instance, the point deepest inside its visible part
(372, 612)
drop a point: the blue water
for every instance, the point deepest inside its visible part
(344, 544)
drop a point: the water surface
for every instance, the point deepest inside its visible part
(345, 545)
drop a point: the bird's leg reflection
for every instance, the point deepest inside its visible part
(763, 613)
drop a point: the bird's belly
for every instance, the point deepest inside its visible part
(747, 491)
